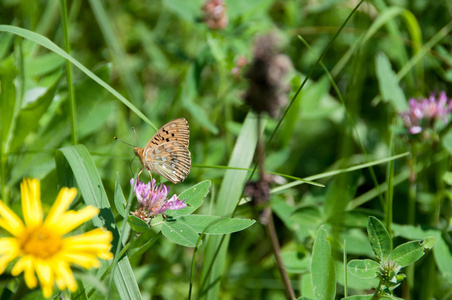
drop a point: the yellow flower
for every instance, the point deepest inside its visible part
(41, 247)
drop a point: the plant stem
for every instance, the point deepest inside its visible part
(269, 224)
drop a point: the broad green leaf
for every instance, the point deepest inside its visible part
(284, 211)
(448, 176)
(91, 188)
(215, 224)
(323, 274)
(358, 297)
(43, 64)
(353, 282)
(428, 242)
(296, 262)
(388, 83)
(180, 233)
(407, 253)
(379, 238)
(137, 224)
(120, 201)
(364, 268)
(307, 215)
(29, 116)
(411, 232)
(447, 142)
(339, 194)
(443, 257)
(193, 198)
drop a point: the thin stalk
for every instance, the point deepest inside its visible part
(345, 270)
(70, 85)
(390, 183)
(192, 271)
(270, 225)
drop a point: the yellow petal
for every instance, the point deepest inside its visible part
(64, 199)
(9, 250)
(4, 261)
(9, 246)
(65, 278)
(45, 276)
(10, 221)
(26, 264)
(31, 202)
(72, 219)
(83, 260)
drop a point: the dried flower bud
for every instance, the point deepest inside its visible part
(215, 14)
(267, 90)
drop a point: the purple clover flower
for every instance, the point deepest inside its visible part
(424, 113)
(152, 199)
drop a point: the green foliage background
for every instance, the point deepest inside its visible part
(163, 59)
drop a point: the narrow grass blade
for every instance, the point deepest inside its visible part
(78, 159)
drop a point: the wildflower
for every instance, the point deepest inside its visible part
(215, 14)
(424, 113)
(152, 199)
(40, 246)
(267, 90)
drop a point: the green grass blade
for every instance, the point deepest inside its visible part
(78, 159)
(228, 196)
(45, 42)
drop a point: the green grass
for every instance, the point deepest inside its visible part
(338, 149)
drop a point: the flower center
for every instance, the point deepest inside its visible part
(41, 242)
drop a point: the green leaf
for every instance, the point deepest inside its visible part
(443, 257)
(137, 224)
(428, 242)
(180, 233)
(90, 186)
(407, 253)
(43, 64)
(379, 238)
(45, 42)
(323, 274)
(215, 224)
(296, 262)
(447, 142)
(29, 116)
(7, 101)
(448, 177)
(358, 297)
(193, 198)
(339, 194)
(120, 201)
(364, 268)
(228, 196)
(389, 84)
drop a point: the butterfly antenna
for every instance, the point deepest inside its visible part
(136, 138)
(123, 142)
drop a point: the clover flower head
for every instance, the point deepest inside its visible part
(424, 113)
(215, 14)
(153, 200)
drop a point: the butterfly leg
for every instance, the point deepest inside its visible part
(139, 173)
(150, 175)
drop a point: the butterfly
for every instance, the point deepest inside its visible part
(167, 152)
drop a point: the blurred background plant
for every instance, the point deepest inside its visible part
(189, 59)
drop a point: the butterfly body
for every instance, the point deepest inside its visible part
(167, 152)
